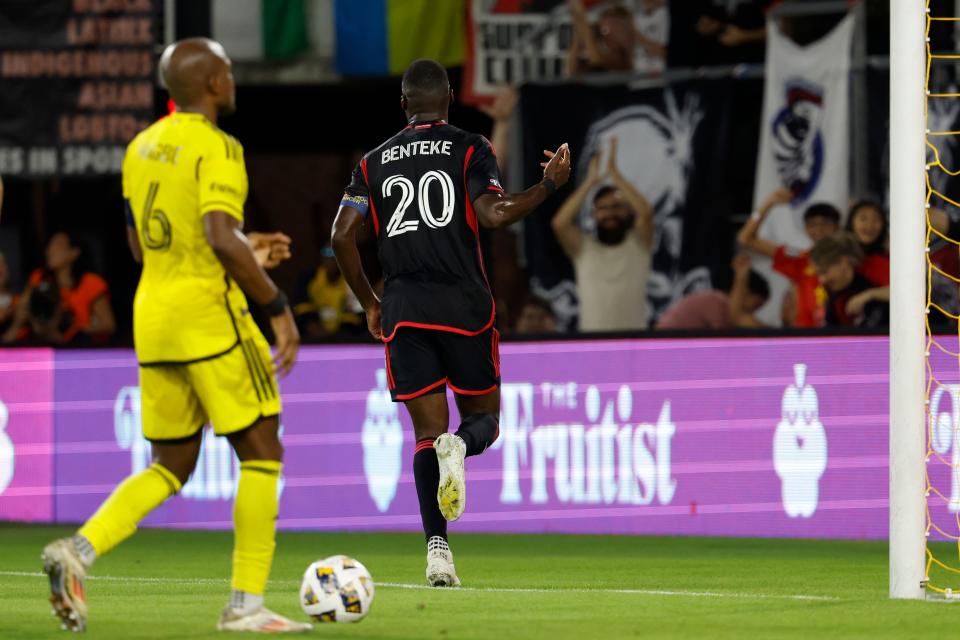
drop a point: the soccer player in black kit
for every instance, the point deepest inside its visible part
(426, 190)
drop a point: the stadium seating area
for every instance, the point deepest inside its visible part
(591, 55)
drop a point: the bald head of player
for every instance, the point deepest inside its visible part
(199, 76)
(426, 93)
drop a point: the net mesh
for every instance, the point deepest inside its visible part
(942, 350)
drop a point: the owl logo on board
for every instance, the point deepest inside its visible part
(800, 447)
(382, 440)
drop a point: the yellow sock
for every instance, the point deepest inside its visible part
(255, 524)
(130, 502)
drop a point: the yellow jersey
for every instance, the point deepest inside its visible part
(175, 172)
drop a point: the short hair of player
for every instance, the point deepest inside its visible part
(425, 79)
(834, 248)
(822, 210)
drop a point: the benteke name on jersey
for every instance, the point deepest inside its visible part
(420, 148)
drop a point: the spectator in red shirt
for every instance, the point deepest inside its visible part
(64, 303)
(868, 223)
(853, 299)
(820, 220)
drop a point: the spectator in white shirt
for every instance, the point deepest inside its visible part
(613, 267)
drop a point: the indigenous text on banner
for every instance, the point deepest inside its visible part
(76, 86)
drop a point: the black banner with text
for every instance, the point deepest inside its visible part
(78, 81)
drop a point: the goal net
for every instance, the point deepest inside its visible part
(942, 354)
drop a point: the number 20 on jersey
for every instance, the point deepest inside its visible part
(397, 224)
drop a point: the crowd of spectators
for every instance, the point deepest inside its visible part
(64, 301)
(605, 226)
(648, 36)
(843, 280)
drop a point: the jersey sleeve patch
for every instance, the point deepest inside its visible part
(358, 202)
(222, 177)
(357, 193)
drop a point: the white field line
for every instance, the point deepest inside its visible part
(399, 585)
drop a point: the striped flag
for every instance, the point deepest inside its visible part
(261, 29)
(366, 37)
(382, 37)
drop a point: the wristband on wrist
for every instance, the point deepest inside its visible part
(277, 306)
(756, 215)
(549, 185)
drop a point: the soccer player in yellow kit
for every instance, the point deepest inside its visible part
(202, 358)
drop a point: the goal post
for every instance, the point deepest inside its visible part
(908, 19)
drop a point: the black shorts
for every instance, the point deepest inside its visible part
(422, 361)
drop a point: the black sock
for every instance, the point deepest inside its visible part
(479, 431)
(426, 474)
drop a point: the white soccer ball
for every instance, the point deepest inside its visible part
(336, 589)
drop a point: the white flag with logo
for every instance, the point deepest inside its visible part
(804, 133)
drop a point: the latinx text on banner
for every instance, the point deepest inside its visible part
(78, 78)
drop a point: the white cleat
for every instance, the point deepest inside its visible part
(452, 492)
(440, 569)
(260, 621)
(66, 572)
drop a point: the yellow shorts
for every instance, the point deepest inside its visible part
(231, 392)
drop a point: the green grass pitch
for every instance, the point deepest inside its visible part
(172, 584)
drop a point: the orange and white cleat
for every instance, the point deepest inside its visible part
(260, 621)
(66, 571)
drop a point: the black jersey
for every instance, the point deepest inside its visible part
(418, 187)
